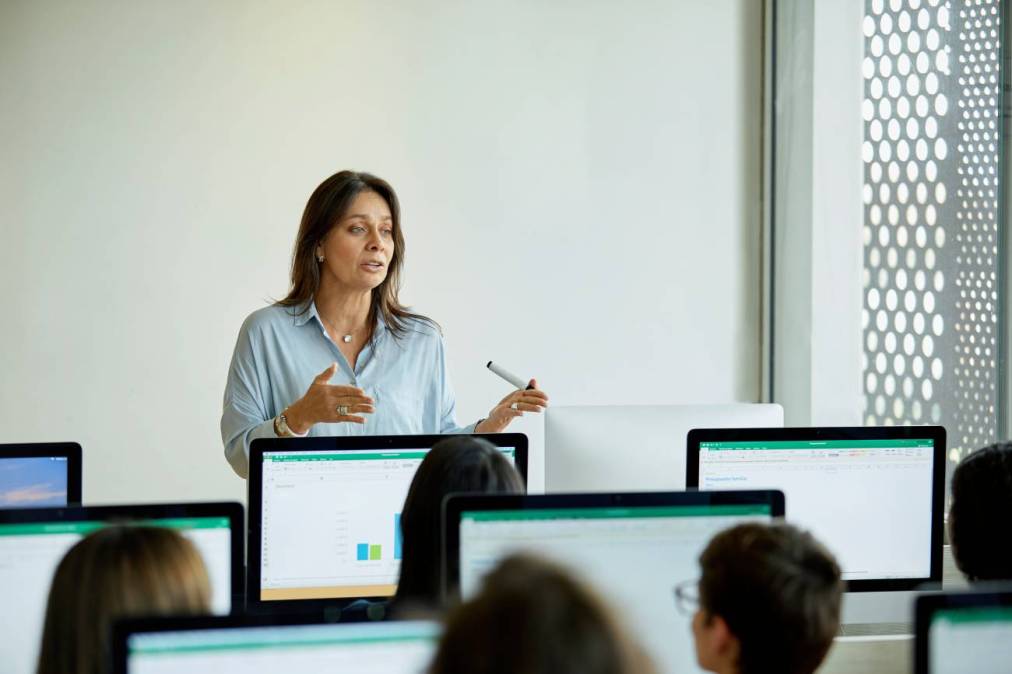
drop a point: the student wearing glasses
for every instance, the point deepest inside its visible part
(340, 354)
(768, 600)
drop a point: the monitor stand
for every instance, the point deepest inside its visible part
(868, 613)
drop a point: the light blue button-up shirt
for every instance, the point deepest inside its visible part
(279, 352)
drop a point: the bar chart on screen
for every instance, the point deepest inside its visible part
(332, 525)
(373, 552)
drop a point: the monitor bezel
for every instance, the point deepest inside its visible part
(455, 505)
(926, 605)
(132, 513)
(123, 629)
(935, 433)
(41, 450)
(261, 446)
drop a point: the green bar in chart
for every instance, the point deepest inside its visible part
(374, 552)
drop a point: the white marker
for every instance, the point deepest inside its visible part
(509, 376)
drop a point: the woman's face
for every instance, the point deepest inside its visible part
(358, 249)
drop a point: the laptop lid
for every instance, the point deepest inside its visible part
(324, 525)
(964, 632)
(34, 541)
(270, 644)
(873, 496)
(40, 475)
(633, 447)
(633, 548)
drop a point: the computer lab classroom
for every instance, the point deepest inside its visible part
(505, 337)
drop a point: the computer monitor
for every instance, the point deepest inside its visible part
(636, 447)
(964, 633)
(33, 541)
(271, 644)
(873, 496)
(40, 475)
(633, 548)
(324, 525)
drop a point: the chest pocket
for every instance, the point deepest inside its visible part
(400, 412)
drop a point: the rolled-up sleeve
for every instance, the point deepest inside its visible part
(245, 416)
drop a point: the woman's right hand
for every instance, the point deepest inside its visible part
(320, 403)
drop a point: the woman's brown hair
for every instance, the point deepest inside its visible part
(117, 572)
(326, 206)
(532, 616)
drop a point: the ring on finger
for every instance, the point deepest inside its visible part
(514, 406)
(342, 410)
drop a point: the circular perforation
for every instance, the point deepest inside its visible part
(931, 118)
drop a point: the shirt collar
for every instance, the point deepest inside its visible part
(310, 313)
(381, 326)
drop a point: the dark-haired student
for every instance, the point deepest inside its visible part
(768, 601)
(458, 464)
(117, 572)
(979, 513)
(532, 616)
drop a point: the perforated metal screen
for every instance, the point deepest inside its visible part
(932, 115)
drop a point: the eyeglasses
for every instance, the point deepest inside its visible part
(687, 597)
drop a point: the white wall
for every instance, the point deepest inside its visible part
(580, 184)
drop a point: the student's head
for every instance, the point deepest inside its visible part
(459, 464)
(533, 617)
(980, 513)
(117, 572)
(769, 601)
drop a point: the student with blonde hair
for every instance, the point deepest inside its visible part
(117, 572)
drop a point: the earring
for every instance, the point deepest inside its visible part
(319, 258)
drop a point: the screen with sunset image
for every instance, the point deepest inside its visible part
(33, 482)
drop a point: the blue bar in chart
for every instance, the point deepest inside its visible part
(363, 552)
(397, 536)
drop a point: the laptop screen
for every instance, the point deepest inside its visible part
(40, 475)
(365, 648)
(329, 524)
(634, 554)
(33, 482)
(872, 501)
(31, 550)
(971, 640)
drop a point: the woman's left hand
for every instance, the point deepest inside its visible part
(512, 406)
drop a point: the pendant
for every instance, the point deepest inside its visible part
(346, 339)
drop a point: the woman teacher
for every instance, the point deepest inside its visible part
(340, 355)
